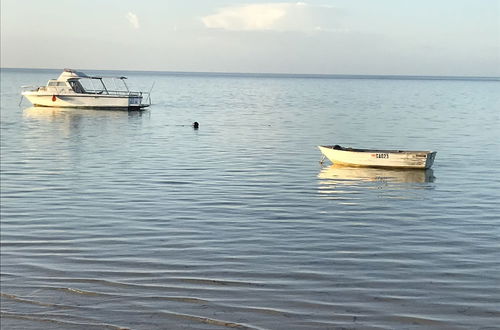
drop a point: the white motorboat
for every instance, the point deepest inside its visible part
(378, 158)
(68, 91)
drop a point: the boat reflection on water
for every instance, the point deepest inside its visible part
(73, 122)
(344, 173)
(46, 113)
(340, 182)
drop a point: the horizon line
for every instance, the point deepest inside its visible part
(289, 75)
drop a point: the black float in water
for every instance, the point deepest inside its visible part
(196, 125)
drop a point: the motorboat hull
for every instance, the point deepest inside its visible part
(95, 101)
(379, 158)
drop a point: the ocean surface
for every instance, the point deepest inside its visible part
(134, 220)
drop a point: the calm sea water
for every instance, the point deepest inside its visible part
(116, 219)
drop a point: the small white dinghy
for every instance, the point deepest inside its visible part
(378, 158)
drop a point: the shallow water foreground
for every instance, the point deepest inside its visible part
(115, 219)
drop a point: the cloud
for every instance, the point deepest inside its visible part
(278, 16)
(133, 19)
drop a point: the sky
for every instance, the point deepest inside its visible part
(380, 37)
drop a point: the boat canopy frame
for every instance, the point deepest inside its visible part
(78, 75)
(105, 89)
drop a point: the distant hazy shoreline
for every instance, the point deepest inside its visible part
(274, 75)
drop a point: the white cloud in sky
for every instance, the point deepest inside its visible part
(278, 16)
(133, 19)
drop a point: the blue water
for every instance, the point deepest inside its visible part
(116, 219)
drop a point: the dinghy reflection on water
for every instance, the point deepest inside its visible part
(351, 175)
(68, 91)
(351, 184)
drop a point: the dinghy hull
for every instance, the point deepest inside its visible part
(378, 158)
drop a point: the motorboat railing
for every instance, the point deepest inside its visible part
(113, 92)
